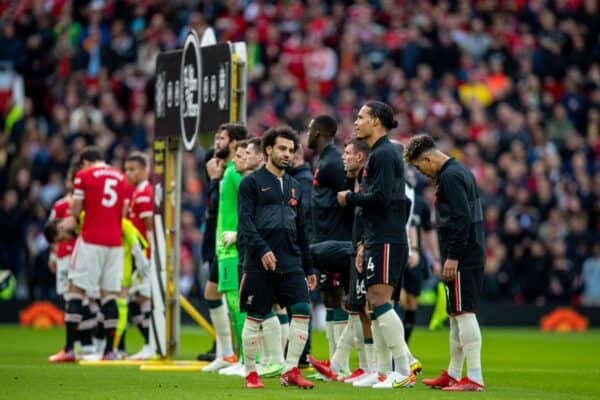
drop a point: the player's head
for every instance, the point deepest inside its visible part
(321, 129)
(298, 156)
(254, 155)
(136, 167)
(279, 145)
(422, 153)
(374, 119)
(58, 230)
(226, 139)
(239, 158)
(355, 155)
(90, 155)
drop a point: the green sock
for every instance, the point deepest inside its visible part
(237, 318)
(439, 311)
(122, 324)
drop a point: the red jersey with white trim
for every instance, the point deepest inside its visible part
(140, 206)
(102, 189)
(61, 209)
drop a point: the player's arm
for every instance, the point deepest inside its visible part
(459, 220)
(78, 195)
(381, 169)
(247, 216)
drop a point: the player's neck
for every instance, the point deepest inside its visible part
(322, 145)
(272, 168)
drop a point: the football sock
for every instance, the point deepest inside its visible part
(146, 308)
(370, 355)
(73, 316)
(470, 338)
(111, 319)
(340, 359)
(237, 317)
(298, 334)
(329, 331)
(392, 332)
(250, 336)
(457, 356)
(87, 325)
(284, 323)
(409, 323)
(272, 339)
(359, 339)
(218, 315)
(383, 356)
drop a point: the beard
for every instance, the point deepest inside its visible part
(223, 154)
(278, 162)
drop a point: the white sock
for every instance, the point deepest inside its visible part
(457, 356)
(298, 338)
(338, 331)
(272, 339)
(285, 334)
(250, 338)
(359, 339)
(392, 331)
(340, 359)
(382, 353)
(262, 352)
(470, 338)
(220, 322)
(371, 357)
(330, 335)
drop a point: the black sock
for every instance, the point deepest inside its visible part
(122, 341)
(87, 325)
(409, 323)
(146, 309)
(73, 311)
(111, 319)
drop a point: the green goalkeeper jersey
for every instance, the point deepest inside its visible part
(227, 221)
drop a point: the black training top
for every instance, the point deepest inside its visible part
(269, 220)
(459, 216)
(329, 220)
(382, 200)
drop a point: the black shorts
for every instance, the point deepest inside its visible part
(213, 271)
(413, 280)
(357, 291)
(384, 264)
(259, 290)
(463, 292)
(332, 259)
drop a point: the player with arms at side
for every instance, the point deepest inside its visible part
(140, 214)
(459, 218)
(277, 263)
(97, 260)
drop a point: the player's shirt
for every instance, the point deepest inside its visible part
(227, 218)
(140, 206)
(102, 189)
(60, 210)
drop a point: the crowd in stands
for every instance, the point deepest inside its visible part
(510, 87)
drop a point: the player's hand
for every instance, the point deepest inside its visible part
(229, 238)
(341, 198)
(358, 263)
(413, 259)
(214, 168)
(269, 261)
(312, 281)
(449, 271)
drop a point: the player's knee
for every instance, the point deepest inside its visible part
(210, 291)
(302, 309)
(378, 295)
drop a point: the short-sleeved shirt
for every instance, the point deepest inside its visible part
(102, 189)
(61, 209)
(140, 206)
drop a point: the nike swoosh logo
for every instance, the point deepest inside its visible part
(265, 189)
(370, 276)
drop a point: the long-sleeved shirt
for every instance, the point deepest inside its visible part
(329, 220)
(227, 219)
(382, 200)
(270, 219)
(459, 216)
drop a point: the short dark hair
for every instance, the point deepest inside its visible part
(138, 157)
(256, 143)
(417, 146)
(91, 154)
(241, 144)
(325, 124)
(383, 112)
(272, 134)
(51, 230)
(234, 131)
(360, 146)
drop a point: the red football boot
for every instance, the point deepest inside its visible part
(465, 385)
(293, 377)
(324, 368)
(253, 381)
(62, 357)
(440, 382)
(354, 376)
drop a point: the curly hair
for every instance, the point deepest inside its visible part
(417, 146)
(284, 131)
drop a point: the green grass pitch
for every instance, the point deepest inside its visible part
(517, 364)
